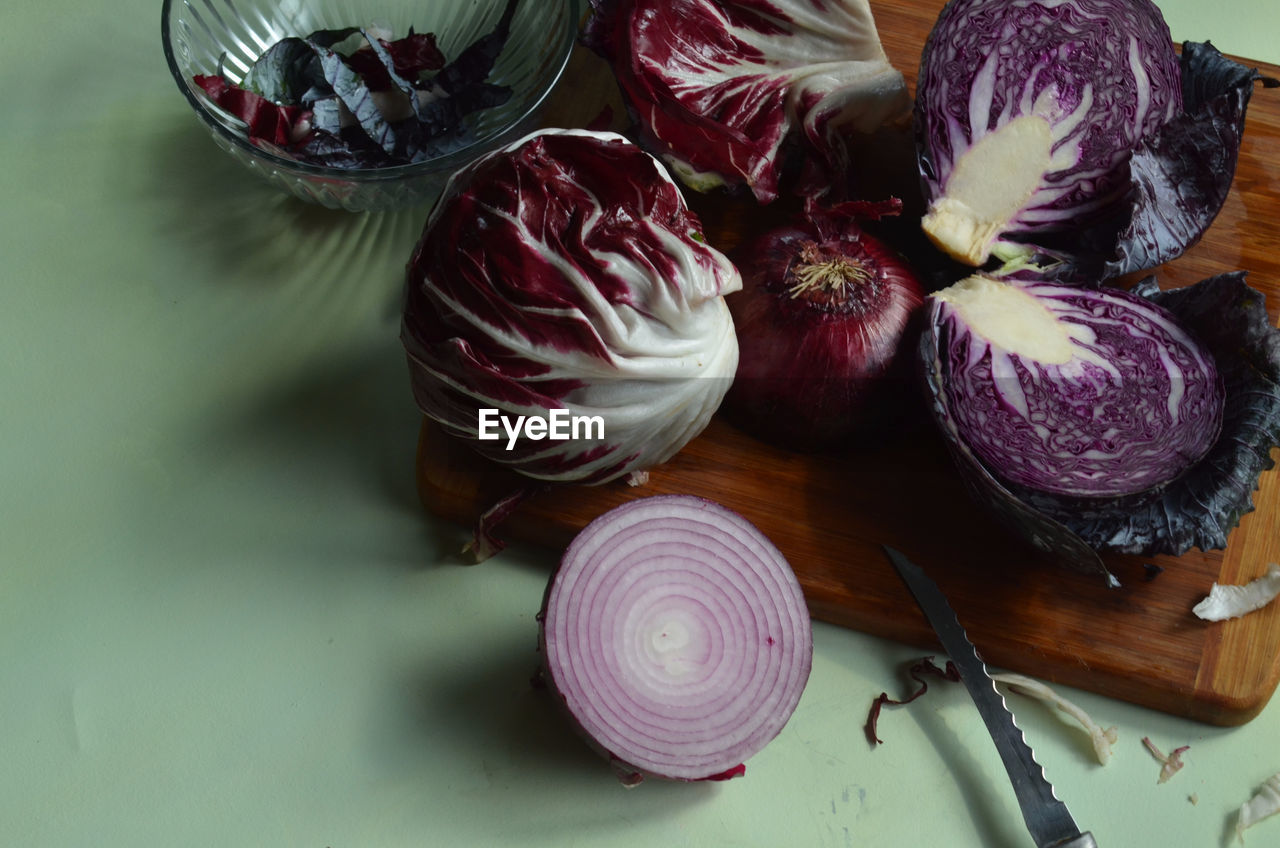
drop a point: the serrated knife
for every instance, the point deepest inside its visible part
(1047, 818)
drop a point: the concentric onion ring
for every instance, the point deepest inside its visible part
(677, 636)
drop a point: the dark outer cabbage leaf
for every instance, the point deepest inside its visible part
(1179, 177)
(285, 72)
(476, 62)
(1199, 509)
(358, 99)
(1202, 508)
(1182, 177)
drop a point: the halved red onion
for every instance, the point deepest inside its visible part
(677, 636)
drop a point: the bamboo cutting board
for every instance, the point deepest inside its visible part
(830, 513)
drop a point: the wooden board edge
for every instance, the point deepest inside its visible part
(456, 485)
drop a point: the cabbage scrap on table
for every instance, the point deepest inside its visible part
(1226, 602)
(1265, 803)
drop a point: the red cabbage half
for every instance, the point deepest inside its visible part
(564, 276)
(1113, 153)
(720, 89)
(1147, 439)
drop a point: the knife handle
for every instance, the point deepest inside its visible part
(1084, 840)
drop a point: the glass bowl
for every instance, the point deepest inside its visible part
(201, 36)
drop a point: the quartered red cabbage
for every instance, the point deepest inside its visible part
(1103, 420)
(1075, 392)
(1114, 153)
(564, 277)
(721, 89)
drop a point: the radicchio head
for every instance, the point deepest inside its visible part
(565, 273)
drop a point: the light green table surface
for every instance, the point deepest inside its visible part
(225, 621)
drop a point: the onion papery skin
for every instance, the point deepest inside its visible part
(817, 368)
(565, 274)
(677, 638)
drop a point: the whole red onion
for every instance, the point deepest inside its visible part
(820, 321)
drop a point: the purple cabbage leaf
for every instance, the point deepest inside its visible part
(733, 93)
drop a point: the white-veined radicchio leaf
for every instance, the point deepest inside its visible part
(564, 274)
(720, 89)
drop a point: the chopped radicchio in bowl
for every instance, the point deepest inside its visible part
(354, 99)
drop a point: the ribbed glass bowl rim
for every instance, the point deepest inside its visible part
(442, 164)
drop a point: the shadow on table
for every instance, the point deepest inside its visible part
(306, 376)
(497, 731)
(253, 233)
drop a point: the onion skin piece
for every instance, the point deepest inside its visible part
(676, 638)
(917, 672)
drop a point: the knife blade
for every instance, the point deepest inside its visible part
(1047, 818)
